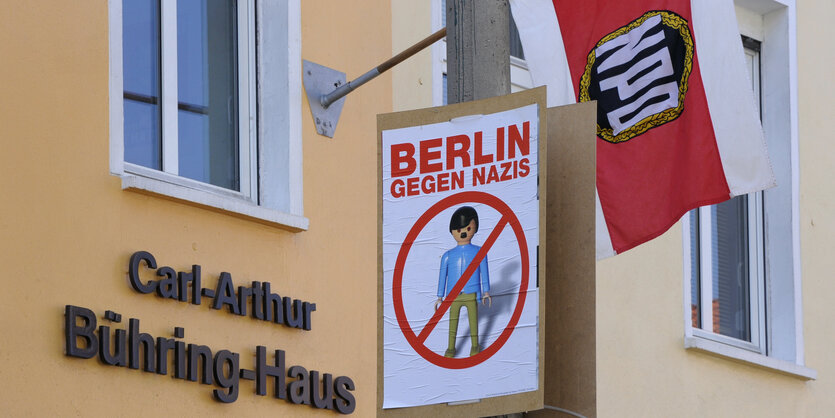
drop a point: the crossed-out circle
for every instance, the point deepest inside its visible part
(397, 282)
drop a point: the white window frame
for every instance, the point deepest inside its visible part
(756, 276)
(756, 273)
(779, 314)
(269, 112)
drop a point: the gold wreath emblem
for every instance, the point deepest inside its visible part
(672, 21)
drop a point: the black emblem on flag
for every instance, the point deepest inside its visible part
(638, 75)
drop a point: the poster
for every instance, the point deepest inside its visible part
(460, 232)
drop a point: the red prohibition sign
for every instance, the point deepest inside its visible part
(417, 341)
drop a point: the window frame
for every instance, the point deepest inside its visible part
(270, 147)
(771, 22)
(756, 251)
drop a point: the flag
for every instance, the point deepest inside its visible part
(677, 126)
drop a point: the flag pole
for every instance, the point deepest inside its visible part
(350, 86)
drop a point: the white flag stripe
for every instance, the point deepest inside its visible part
(541, 38)
(736, 124)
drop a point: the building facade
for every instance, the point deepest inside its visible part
(120, 178)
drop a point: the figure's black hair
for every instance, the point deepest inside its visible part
(462, 217)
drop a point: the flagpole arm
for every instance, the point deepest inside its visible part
(412, 50)
(341, 91)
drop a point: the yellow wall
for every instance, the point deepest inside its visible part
(643, 368)
(411, 22)
(68, 229)
(817, 196)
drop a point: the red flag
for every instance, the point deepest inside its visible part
(657, 149)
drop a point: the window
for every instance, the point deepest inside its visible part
(188, 99)
(742, 278)
(726, 256)
(197, 132)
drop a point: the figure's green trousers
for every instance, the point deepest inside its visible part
(468, 300)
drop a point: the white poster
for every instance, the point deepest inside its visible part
(460, 236)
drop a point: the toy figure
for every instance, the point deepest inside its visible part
(462, 226)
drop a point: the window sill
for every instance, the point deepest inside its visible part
(519, 62)
(235, 206)
(749, 357)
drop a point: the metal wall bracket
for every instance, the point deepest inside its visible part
(326, 88)
(318, 82)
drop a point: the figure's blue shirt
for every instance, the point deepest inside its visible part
(453, 264)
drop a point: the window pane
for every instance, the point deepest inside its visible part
(444, 87)
(207, 91)
(443, 13)
(695, 258)
(141, 71)
(731, 296)
(142, 133)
